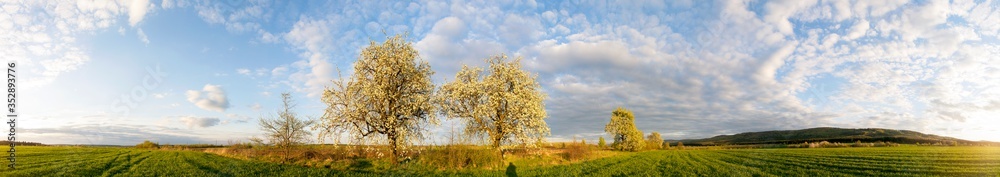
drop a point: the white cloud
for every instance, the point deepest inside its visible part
(211, 98)
(715, 67)
(313, 38)
(256, 107)
(137, 11)
(41, 35)
(859, 29)
(278, 71)
(236, 16)
(518, 30)
(235, 118)
(243, 71)
(769, 67)
(778, 13)
(200, 122)
(142, 36)
(161, 95)
(449, 45)
(211, 14)
(166, 4)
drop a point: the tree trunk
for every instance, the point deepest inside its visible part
(393, 144)
(496, 144)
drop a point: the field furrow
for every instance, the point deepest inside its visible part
(889, 161)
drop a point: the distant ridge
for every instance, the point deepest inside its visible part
(830, 134)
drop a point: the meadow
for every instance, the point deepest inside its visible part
(873, 161)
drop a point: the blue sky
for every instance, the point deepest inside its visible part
(198, 71)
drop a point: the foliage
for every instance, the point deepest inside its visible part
(148, 145)
(622, 127)
(577, 151)
(654, 141)
(601, 143)
(286, 129)
(388, 97)
(506, 105)
(680, 145)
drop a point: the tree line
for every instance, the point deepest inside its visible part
(390, 98)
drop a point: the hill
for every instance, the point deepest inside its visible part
(829, 134)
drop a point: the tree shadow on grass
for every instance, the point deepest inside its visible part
(511, 170)
(361, 165)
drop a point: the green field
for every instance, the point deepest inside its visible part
(884, 161)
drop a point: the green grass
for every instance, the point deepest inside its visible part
(884, 161)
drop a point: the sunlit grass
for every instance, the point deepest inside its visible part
(867, 161)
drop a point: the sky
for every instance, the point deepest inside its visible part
(204, 71)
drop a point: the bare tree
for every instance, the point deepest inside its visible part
(286, 129)
(388, 96)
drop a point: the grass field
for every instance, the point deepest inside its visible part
(885, 161)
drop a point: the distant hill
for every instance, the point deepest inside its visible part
(829, 134)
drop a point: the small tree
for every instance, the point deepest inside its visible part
(666, 145)
(680, 145)
(653, 141)
(506, 105)
(148, 145)
(601, 143)
(622, 126)
(286, 129)
(388, 96)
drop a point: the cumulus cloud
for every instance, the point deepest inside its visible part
(447, 46)
(693, 70)
(211, 98)
(137, 11)
(314, 39)
(42, 35)
(200, 122)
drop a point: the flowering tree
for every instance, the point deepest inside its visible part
(654, 141)
(506, 105)
(388, 96)
(622, 127)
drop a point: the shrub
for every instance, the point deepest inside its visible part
(148, 145)
(577, 151)
(601, 143)
(653, 141)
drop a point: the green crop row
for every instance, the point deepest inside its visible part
(888, 161)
